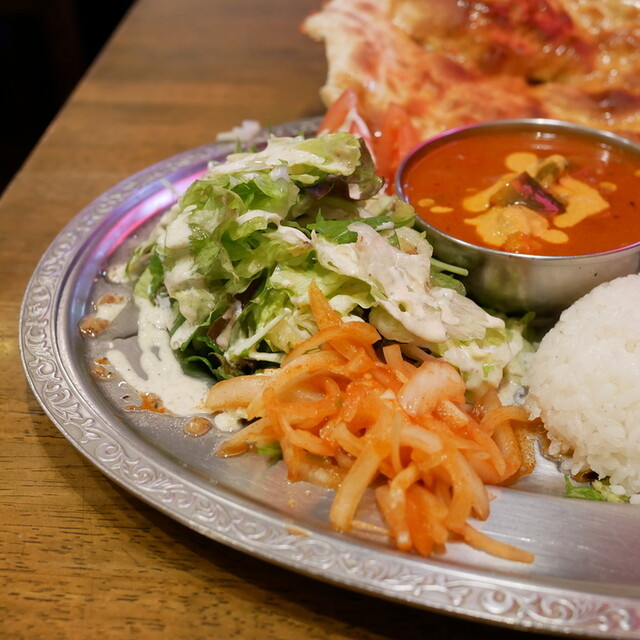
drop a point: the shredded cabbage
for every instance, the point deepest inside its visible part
(235, 256)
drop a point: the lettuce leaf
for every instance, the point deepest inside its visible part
(598, 490)
(236, 255)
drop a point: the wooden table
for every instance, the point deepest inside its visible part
(80, 557)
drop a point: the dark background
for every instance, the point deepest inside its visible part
(45, 48)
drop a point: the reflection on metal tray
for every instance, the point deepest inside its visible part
(586, 576)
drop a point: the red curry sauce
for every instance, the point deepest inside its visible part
(437, 182)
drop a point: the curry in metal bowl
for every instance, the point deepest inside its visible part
(538, 211)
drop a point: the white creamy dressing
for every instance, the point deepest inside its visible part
(400, 285)
(178, 233)
(109, 307)
(181, 334)
(117, 274)
(280, 172)
(229, 420)
(181, 394)
(182, 275)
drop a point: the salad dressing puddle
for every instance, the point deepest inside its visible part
(181, 394)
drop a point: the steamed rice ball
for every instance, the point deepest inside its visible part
(584, 383)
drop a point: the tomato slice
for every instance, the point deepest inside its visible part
(338, 113)
(397, 138)
(394, 138)
(345, 114)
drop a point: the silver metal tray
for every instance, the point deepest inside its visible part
(586, 576)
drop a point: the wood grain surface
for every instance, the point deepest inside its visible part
(79, 556)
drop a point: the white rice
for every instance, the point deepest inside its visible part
(584, 382)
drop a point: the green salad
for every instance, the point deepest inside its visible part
(233, 259)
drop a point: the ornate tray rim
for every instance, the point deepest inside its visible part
(172, 489)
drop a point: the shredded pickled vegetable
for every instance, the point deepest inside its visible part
(349, 419)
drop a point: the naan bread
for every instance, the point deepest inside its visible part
(455, 62)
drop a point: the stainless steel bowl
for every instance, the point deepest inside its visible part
(514, 282)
